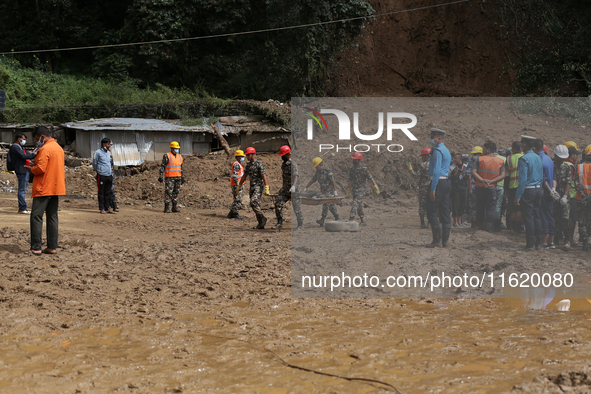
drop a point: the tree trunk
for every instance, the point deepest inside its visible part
(220, 137)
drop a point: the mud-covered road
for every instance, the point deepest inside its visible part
(194, 302)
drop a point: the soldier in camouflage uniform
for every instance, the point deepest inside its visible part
(255, 170)
(172, 170)
(584, 198)
(424, 183)
(325, 179)
(563, 188)
(289, 190)
(235, 177)
(358, 175)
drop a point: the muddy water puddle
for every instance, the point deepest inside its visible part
(416, 346)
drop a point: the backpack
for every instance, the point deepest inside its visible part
(9, 162)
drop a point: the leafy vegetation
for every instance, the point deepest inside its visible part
(272, 64)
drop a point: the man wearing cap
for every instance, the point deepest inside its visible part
(101, 162)
(565, 188)
(440, 190)
(424, 182)
(328, 187)
(529, 191)
(172, 170)
(583, 198)
(358, 176)
(236, 175)
(548, 196)
(289, 190)
(486, 172)
(255, 170)
(513, 215)
(476, 152)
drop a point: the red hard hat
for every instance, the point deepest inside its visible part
(284, 150)
(426, 151)
(357, 156)
(546, 150)
(250, 149)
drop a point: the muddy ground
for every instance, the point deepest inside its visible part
(144, 301)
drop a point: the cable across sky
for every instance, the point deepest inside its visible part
(231, 34)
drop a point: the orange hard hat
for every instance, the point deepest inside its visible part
(357, 156)
(284, 150)
(426, 151)
(249, 150)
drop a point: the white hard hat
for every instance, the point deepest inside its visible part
(561, 151)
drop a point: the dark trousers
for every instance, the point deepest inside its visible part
(49, 205)
(23, 180)
(105, 190)
(530, 212)
(547, 214)
(442, 204)
(458, 202)
(486, 203)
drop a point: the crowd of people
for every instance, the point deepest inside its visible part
(543, 197)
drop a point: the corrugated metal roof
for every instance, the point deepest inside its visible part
(138, 124)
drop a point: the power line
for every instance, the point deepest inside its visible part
(232, 34)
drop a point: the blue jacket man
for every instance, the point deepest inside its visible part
(440, 190)
(19, 156)
(529, 192)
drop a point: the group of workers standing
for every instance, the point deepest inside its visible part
(542, 196)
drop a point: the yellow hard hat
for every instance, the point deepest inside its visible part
(316, 161)
(175, 145)
(588, 149)
(571, 143)
(239, 153)
(477, 149)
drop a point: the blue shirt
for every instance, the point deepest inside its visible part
(101, 162)
(531, 172)
(548, 167)
(439, 164)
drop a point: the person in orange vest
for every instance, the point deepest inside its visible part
(48, 184)
(583, 198)
(172, 169)
(235, 178)
(487, 170)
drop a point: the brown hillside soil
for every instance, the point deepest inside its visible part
(453, 50)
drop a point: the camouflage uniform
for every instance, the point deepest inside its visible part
(172, 184)
(289, 169)
(358, 176)
(255, 171)
(424, 186)
(325, 179)
(562, 213)
(237, 198)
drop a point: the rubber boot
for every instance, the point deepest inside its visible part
(423, 225)
(497, 225)
(167, 207)
(530, 244)
(237, 216)
(262, 222)
(362, 222)
(436, 231)
(337, 218)
(488, 226)
(174, 207)
(230, 215)
(446, 229)
(300, 225)
(279, 225)
(321, 221)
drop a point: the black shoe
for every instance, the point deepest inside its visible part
(262, 223)
(230, 215)
(167, 208)
(237, 216)
(320, 222)
(445, 230)
(530, 245)
(362, 222)
(423, 225)
(174, 208)
(279, 225)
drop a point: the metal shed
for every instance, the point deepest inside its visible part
(138, 140)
